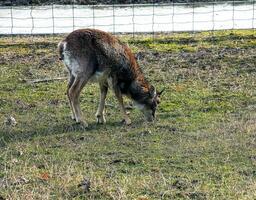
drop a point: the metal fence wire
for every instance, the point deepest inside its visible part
(171, 16)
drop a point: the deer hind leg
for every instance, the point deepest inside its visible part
(100, 111)
(119, 97)
(70, 83)
(74, 93)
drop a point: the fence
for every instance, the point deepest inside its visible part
(129, 18)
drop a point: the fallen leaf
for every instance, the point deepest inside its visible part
(45, 176)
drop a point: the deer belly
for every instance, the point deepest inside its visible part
(100, 77)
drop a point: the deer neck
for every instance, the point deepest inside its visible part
(139, 91)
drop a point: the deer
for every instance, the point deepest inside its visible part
(91, 54)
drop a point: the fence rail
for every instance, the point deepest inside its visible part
(129, 18)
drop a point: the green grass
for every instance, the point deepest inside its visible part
(202, 145)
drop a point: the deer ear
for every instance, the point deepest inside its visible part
(159, 93)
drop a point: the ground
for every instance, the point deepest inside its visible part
(202, 145)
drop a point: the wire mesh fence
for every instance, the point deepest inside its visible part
(133, 18)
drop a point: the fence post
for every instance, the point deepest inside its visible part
(253, 15)
(113, 15)
(93, 16)
(133, 23)
(73, 14)
(153, 21)
(173, 9)
(12, 20)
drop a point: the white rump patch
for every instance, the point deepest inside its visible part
(70, 62)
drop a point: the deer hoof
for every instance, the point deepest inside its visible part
(83, 124)
(127, 121)
(101, 119)
(73, 117)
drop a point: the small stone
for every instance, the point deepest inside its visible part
(10, 121)
(85, 185)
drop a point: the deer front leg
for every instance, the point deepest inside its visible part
(119, 97)
(100, 111)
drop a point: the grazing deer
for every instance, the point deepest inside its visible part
(94, 54)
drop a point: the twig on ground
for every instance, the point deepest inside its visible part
(110, 105)
(45, 80)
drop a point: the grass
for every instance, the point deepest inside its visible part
(202, 145)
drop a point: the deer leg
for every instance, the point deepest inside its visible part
(70, 83)
(100, 111)
(74, 93)
(121, 103)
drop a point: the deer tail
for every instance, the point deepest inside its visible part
(61, 49)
